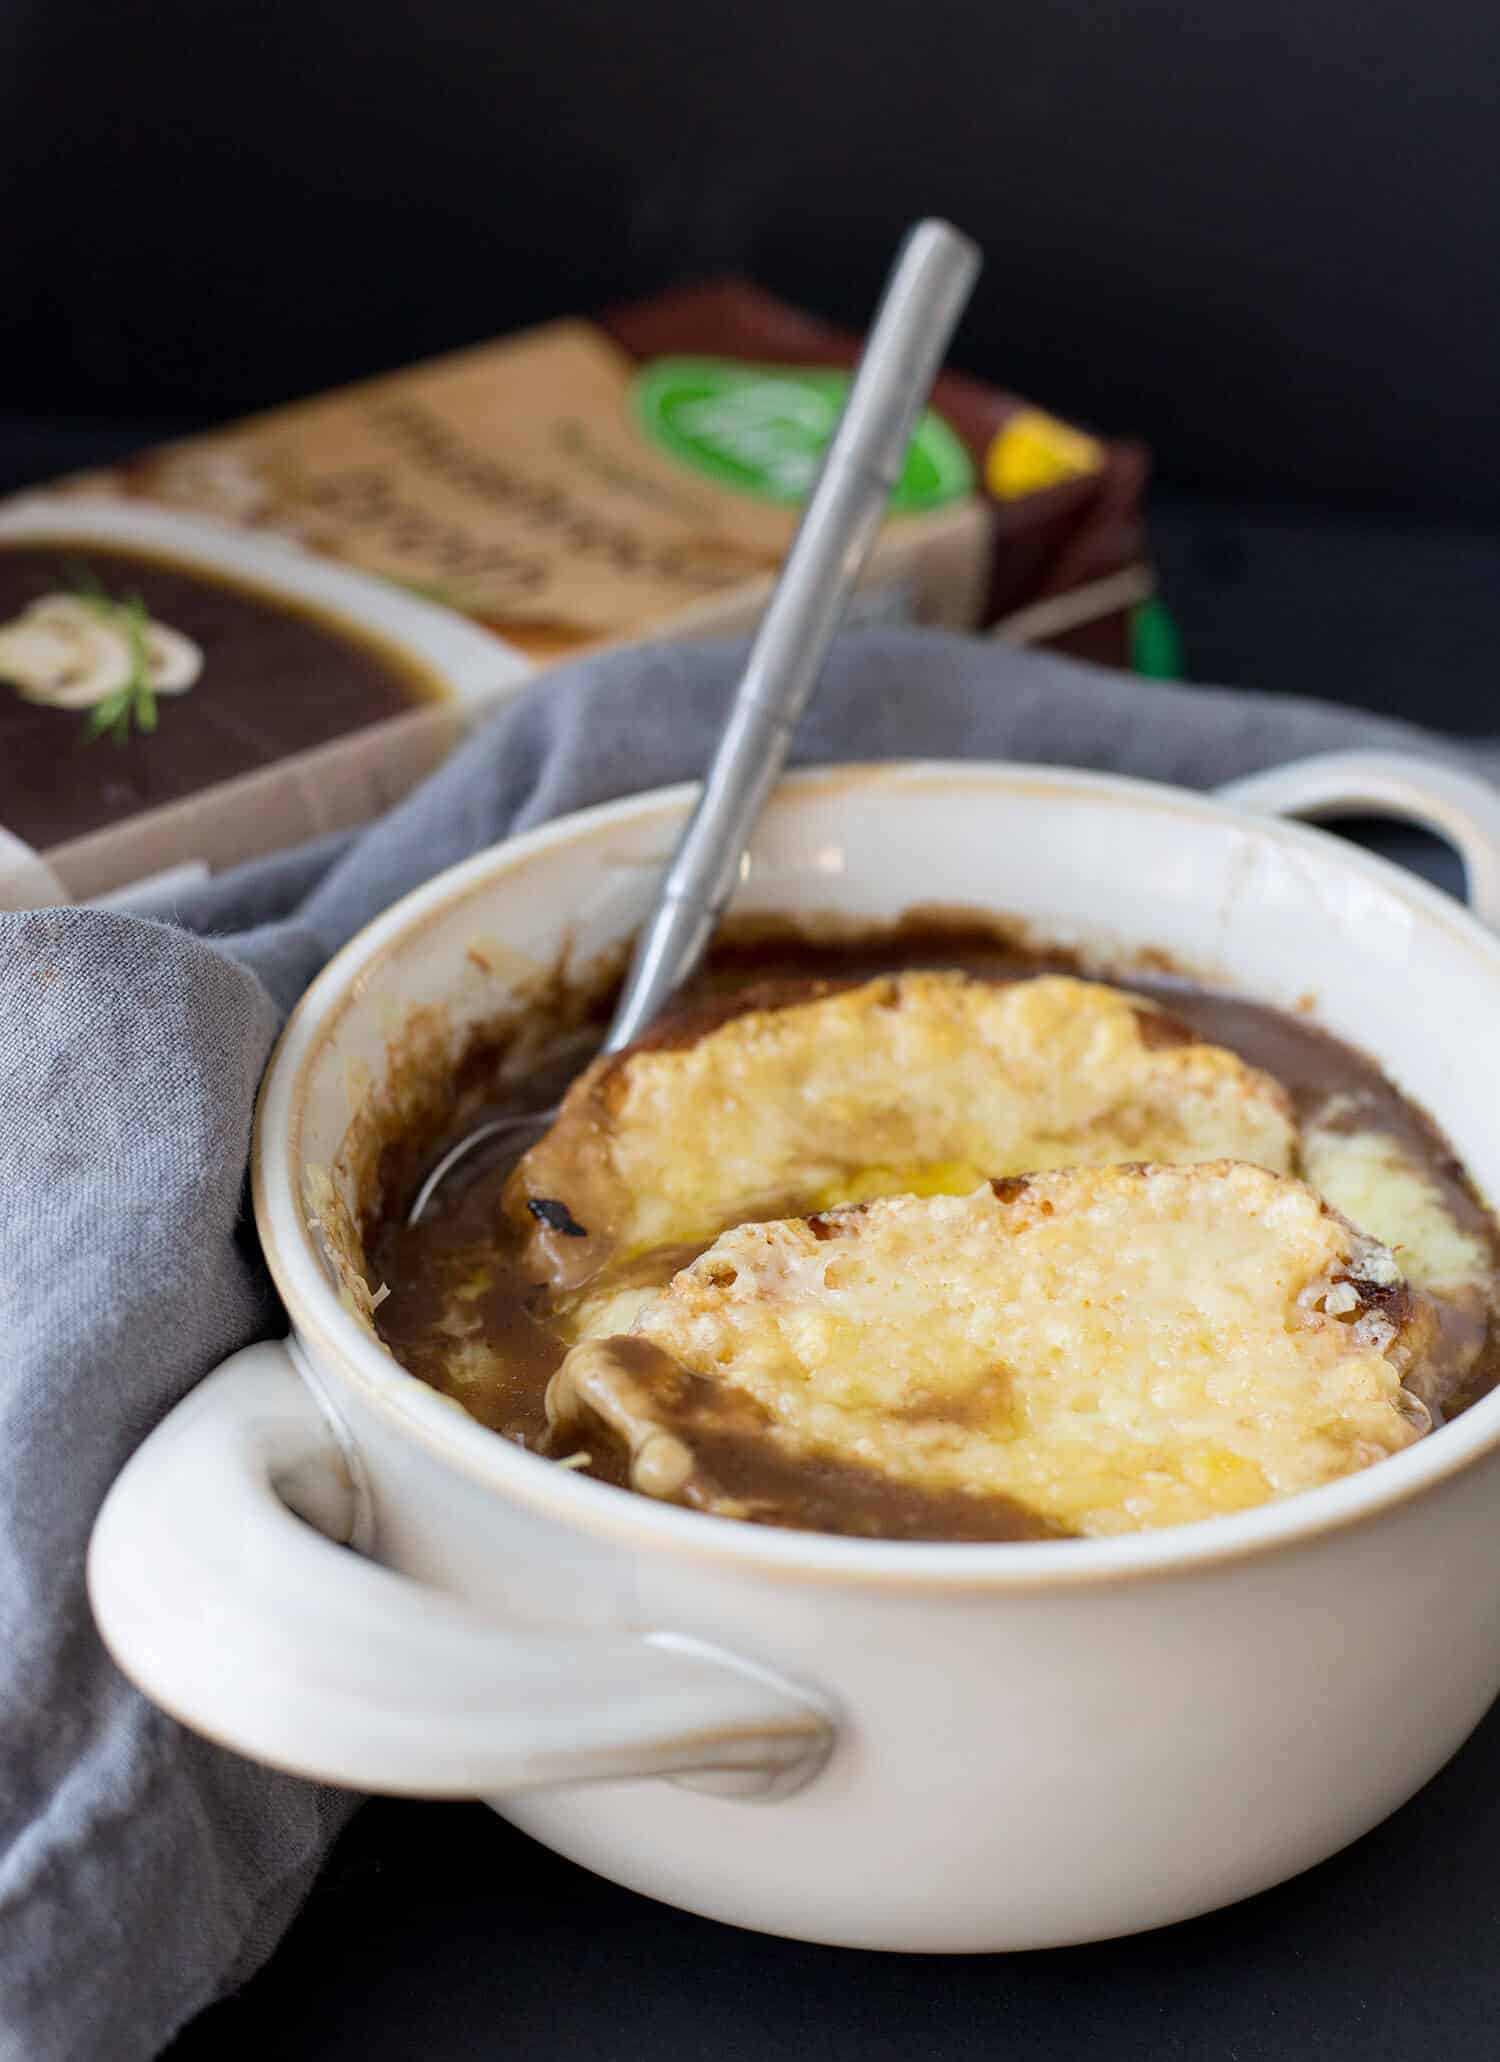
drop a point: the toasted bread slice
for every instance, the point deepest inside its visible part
(1433, 1228)
(913, 1083)
(1108, 1349)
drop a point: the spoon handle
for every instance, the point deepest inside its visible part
(927, 291)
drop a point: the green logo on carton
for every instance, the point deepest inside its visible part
(763, 429)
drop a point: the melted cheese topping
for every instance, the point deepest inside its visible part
(918, 1083)
(1370, 1177)
(1113, 1348)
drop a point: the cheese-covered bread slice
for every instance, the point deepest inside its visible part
(913, 1083)
(1108, 1349)
(1433, 1226)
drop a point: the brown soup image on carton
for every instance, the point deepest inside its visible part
(129, 680)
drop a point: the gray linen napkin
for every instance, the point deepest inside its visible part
(143, 1872)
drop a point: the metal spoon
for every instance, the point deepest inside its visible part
(927, 291)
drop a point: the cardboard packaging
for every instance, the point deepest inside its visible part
(350, 580)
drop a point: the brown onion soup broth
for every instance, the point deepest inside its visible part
(466, 1241)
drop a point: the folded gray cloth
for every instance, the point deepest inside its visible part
(143, 1872)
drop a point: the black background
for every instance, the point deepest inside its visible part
(1262, 235)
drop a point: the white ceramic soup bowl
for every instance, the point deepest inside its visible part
(911, 1746)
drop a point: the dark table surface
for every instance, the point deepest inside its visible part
(439, 1932)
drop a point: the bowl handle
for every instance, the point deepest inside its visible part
(1456, 806)
(252, 1625)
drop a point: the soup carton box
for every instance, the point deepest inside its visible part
(240, 641)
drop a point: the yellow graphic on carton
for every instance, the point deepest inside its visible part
(1034, 451)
